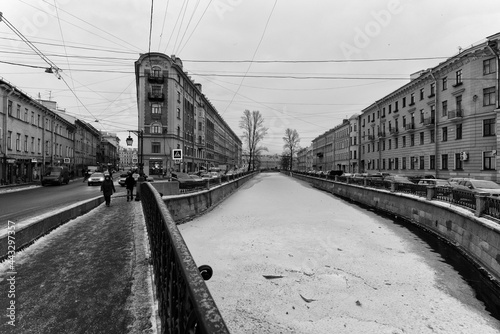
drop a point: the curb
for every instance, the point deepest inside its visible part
(32, 230)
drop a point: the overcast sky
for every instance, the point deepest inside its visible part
(325, 60)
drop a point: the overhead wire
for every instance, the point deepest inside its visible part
(173, 29)
(163, 24)
(187, 26)
(254, 54)
(180, 26)
(196, 26)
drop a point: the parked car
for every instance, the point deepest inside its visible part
(444, 187)
(187, 181)
(398, 179)
(55, 175)
(476, 186)
(95, 178)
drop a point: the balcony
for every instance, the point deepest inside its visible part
(429, 121)
(152, 78)
(455, 115)
(394, 131)
(156, 96)
(381, 134)
(371, 137)
(410, 127)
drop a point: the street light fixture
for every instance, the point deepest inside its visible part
(129, 142)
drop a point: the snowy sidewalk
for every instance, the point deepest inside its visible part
(88, 276)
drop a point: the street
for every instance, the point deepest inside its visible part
(288, 258)
(19, 205)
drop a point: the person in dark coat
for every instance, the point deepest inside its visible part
(130, 184)
(107, 188)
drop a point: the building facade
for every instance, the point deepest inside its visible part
(175, 114)
(32, 137)
(443, 122)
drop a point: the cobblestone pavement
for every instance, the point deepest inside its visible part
(88, 276)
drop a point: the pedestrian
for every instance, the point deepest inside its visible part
(107, 188)
(130, 184)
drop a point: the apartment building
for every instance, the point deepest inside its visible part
(443, 122)
(32, 136)
(175, 114)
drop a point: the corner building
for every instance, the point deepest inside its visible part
(175, 114)
(443, 122)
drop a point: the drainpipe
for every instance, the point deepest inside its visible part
(493, 46)
(379, 148)
(436, 113)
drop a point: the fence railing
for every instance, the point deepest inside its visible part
(481, 203)
(185, 304)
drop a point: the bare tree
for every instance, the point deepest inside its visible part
(291, 140)
(254, 131)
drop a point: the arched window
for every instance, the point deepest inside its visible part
(178, 130)
(156, 72)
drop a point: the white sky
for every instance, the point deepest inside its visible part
(95, 43)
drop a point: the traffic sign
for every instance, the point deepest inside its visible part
(177, 154)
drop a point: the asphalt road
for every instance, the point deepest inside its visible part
(19, 205)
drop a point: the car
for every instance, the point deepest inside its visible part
(121, 180)
(55, 175)
(95, 178)
(398, 179)
(476, 186)
(187, 181)
(444, 187)
(145, 176)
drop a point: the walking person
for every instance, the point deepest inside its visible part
(107, 188)
(130, 184)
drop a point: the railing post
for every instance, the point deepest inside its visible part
(336, 178)
(208, 184)
(393, 186)
(365, 182)
(480, 203)
(431, 192)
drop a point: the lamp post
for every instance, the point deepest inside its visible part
(129, 141)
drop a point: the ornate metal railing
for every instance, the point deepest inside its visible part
(492, 207)
(184, 303)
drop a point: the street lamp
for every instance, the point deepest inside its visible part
(129, 142)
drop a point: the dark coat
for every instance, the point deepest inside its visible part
(130, 182)
(107, 187)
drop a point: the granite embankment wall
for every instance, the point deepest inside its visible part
(476, 237)
(187, 206)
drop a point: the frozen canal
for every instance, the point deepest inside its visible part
(289, 258)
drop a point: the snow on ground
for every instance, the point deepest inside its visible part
(289, 258)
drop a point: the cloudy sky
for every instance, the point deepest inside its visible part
(304, 65)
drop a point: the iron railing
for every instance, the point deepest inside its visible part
(185, 304)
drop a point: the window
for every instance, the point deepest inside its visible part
(488, 127)
(25, 117)
(156, 108)
(421, 93)
(444, 161)
(422, 138)
(156, 72)
(458, 162)
(433, 89)
(458, 103)
(421, 116)
(179, 113)
(396, 163)
(155, 147)
(18, 142)
(445, 83)
(395, 143)
(404, 121)
(412, 139)
(9, 108)
(178, 131)
(488, 160)
(444, 108)
(412, 99)
(422, 162)
(489, 96)
(179, 97)
(432, 136)
(32, 144)
(445, 133)
(33, 117)
(156, 128)
(489, 66)
(404, 101)
(396, 106)
(25, 143)
(18, 111)
(458, 78)
(432, 162)
(390, 108)
(390, 144)
(156, 90)
(404, 141)
(404, 163)
(458, 131)
(39, 146)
